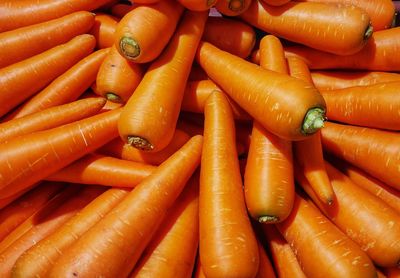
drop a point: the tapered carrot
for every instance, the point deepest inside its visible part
(197, 5)
(117, 77)
(374, 151)
(50, 118)
(260, 93)
(321, 248)
(232, 7)
(118, 148)
(228, 246)
(149, 117)
(36, 261)
(144, 32)
(104, 29)
(172, 250)
(314, 24)
(276, 2)
(381, 53)
(129, 226)
(49, 225)
(16, 14)
(103, 170)
(265, 268)
(271, 54)
(230, 35)
(28, 159)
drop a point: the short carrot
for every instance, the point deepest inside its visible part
(104, 30)
(198, 5)
(271, 54)
(145, 206)
(143, 33)
(228, 246)
(259, 92)
(149, 118)
(34, 156)
(232, 7)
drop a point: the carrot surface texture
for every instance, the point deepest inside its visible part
(129, 226)
(149, 117)
(288, 107)
(313, 24)
(104, 30)
(144, 32)
(30, 158)
(228, 246)
(197, 5)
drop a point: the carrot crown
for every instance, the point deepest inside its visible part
(313, 121)
(129, 47)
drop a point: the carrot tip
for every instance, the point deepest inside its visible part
(368, 32)
(129, 47)
(140, 143)
(268, 219)
(113, 97)
(314, 120)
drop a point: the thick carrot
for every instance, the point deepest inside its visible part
(230, 35)
(25, 42)
(143, 33)
(314, 24)
(375, 151)
(16, 14)
(118, 77)
(36, 261)
(112, 246)
(375, 106)
(197, 5)
(265, 268)
(232, 7)
(321, 248)
(103, 170)
(228, 246)
(149, 117)
(275, 2)
(50, 118)
(381, 53)
(104, 29)
(30, 158)
(172, 250)
(260, 93)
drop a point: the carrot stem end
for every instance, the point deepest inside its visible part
(368, 32)
(268, 219)
(129, 47)
(313, 121)
(140, 143)
(113, 97)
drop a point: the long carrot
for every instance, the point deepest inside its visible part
(25, 42)
(228, 246)
(23, 79)
(28, 159)
(197, 5)
(374, 151)
(37, 260)
(260, 93)
(314, 24)
(144, 32)
(321, 248)
(149, 117)
(129, 226)
(104, 30)
(232, 7)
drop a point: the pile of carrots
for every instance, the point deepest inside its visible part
(188, 138)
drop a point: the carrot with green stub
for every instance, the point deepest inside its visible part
(104, 30)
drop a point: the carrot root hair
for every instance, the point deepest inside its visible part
(129, 47)
(140, 143)
(314, 120)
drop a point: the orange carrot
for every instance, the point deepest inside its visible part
(103, 170)
(276, 2)
(8, 200)
(104, 29)
(228, 246)
(375, 151)
(30, 158)
(120, 10)
(230, 35)
(314, 24)
(321, 248)
(117, 77)
(271, 54)
(259, 92)
(37, 260)
(265, 269)
(144, 32)
(197, 5)
(149, 117)
(232, 7)
(129, 226)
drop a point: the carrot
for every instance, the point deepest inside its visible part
(49, 225)
(16, 14)
(314, 24)
(118, 148)
(145, 206)
(356, 209)
(30, 158)
(276, 2)
(265, 269)
(331, 80)
(119, 10)
(50, 118)
(172, 250)
(228, 246)
(117, 77)
(8, 200)
(144, 32)
(230, 35)
(25, 42)
(36, 261)
(259, 92)
(271, 54)
(321, 248)
(149, 117)
(197, 5)
(381, 53)
(104, 29)
(103, 170)
(374, 151)
(232, 7)
(374, 106)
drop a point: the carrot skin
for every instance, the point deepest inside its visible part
(103, 30)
